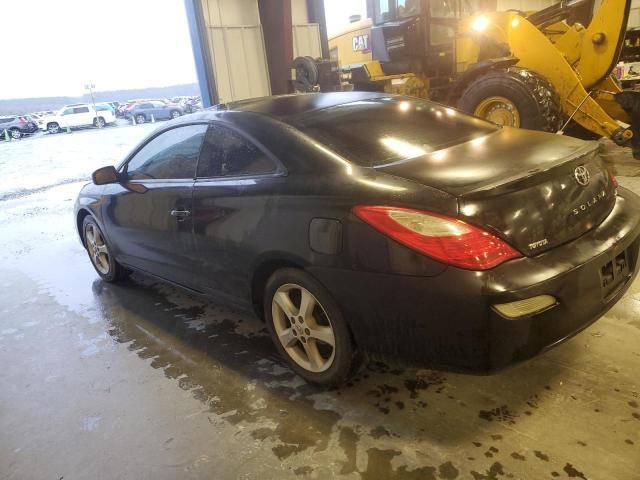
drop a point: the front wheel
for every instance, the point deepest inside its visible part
(515, 97)
(307, 328)
(53, 128)
(99, 122)
(140, 118)
(99, 253)
(15, 133)
(175, 113)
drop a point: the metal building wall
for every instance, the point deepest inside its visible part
(230, 47)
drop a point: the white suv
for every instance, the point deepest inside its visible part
(74, 116)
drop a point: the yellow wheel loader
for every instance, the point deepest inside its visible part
(541, 70)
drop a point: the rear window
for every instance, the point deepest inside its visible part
(384, 130)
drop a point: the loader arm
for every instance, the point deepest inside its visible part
(602, 42)
(537, 53)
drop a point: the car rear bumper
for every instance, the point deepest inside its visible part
(449, 321)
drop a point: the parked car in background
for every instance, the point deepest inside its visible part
(76, 116)
(154, 110)
(17, 126)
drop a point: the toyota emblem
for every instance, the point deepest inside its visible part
(581, 174)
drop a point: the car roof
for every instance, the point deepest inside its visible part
(283, 106)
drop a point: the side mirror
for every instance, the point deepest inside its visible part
(105, 175)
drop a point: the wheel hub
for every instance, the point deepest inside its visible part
(498, 110)
(303, 328)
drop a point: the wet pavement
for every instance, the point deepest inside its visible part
(141, 380)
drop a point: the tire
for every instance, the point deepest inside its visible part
(536, 104)
(101, 258)
(306, 74)
(140, 118)
(15, 133)
(174, 114)
(99, 122)
(301, 333)
(53, 127)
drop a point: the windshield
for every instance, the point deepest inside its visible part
(387, 10)
(384, 130)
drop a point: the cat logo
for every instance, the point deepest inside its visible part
(360, 43)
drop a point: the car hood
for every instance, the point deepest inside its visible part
(520, 184)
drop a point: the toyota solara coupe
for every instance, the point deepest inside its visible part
(365, 222)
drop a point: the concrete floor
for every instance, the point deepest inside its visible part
(141, 380)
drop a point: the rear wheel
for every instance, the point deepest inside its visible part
(307, 327)
(99, 253)
(515, 97)
(15, 133)
(175, 113)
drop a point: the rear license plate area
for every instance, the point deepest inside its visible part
(614, 274)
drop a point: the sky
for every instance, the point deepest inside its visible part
(114, 44)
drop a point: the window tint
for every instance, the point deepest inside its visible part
(384, 130)
(172, 154)
(227, 153)
(6, 120)
(81, 110)
(158, 104)
(68, 111)
(145, 105)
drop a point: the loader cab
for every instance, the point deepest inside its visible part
(417, 35)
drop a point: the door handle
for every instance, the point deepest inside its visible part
(180, 213)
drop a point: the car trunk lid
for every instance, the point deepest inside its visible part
(534, 190)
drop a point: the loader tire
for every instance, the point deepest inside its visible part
(515, 97)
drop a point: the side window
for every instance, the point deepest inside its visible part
(226, 153)
(81, 110)
(383, 11)
(67, 111)
(145, 106)
(172, 154)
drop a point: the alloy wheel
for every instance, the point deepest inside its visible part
(97, 249)
(99, 122)
(140, 119)
(303, 327)
(175, 114)
(54, 128)
(15, 134)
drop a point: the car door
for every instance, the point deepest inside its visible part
(66, 117)
(81, 116)
(235, 178)
(148, 217)
(160, 110)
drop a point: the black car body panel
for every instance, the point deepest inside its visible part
(397, 301)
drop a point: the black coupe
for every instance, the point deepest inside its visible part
(366, 222)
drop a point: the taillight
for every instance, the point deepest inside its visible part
(443, 238)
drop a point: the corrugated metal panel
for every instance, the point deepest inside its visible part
(306, 40)
(240, 62)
